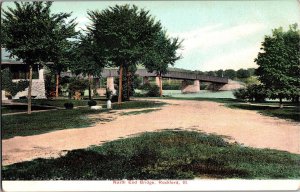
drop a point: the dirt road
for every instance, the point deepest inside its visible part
(243, 126)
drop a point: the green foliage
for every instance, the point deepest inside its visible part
(172, 154)
(151, 90)
(230, 73)
(220, 73)
(243, 73)
(54, 102)
(137, 105)
(211, 73)
(278, 63)
(24, 124)
(32, 33)
(68, 105)
(252, 92)
(77, 84)
(8, 85)
(288, 113)
(171, 87)
(92, 102)
(161, 54)
(87, 57)
(114, 30)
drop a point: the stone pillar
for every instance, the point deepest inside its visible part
(4, 95)
(157, 81)
(188, 88)
(145, 80)
(41, 74)
(110, 84)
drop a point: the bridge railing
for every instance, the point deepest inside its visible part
(170, 74)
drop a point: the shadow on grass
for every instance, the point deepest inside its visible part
(161, 155)
(290, 113)
(139, 112)
(43, 122)
(21, 108)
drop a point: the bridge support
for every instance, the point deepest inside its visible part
(157, 81)
(145, 80)
(190, 88)
(110, 85)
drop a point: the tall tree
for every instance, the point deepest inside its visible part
(278, 63)
(230, 73)
(161, 55)
(87, 59)
(63, 47)
(29, 29)
(125, 33)
(242, 73)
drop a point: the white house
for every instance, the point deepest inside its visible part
(20, 72)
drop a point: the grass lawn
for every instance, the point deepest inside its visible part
(169, 154)
(21, 108)
(57, 102)
(137, 105)
(139, 112)
(290, 111)
(42, 122)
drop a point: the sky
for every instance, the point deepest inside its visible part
(216, 34)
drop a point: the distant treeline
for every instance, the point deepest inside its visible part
(229, 73)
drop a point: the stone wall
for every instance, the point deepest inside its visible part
(187, 88)
(38, 90)
(232, 85)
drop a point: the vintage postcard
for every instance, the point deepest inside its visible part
(150, 95)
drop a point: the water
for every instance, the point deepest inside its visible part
(202, 93)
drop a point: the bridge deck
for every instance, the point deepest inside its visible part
(170, 74)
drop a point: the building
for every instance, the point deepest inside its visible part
(20, 72)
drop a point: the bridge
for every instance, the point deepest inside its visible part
(186, 76)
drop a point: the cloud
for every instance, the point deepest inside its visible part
(239, 58)
(81, 23)
(214, 36)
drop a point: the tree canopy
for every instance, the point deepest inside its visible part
(32, 34)
(125, 33)
(278, 63)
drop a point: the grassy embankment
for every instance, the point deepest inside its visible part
(290, 111)
(42, 122)
(161, 155)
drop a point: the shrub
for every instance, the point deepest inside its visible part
(171, 87)
(240, 94)
(255, 93)
(68, 105)
(92, 102)
(153, 91)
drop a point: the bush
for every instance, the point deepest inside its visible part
(255, 93)
(153, 91)
(171, 87)
(240, 94)
(68, 105)
(92, 102)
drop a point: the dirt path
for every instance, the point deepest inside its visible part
(243, 126)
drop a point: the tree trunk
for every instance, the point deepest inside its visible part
(160, 85)
(280, 102)
(57, 85)
(120, 85)
(128, 83)
(90, 94)
(29, 89)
